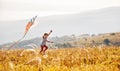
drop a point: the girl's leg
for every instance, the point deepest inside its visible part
(46, 47)
(41, 49)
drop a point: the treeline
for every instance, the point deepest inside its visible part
(108, 39)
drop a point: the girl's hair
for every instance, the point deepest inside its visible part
(45, 34)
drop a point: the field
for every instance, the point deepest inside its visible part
(64, 59)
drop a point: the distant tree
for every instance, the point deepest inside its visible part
(106, 41)
(100, 34)
(85, 38)
(58, 45)
(85, 35)
(68, 45)
(65, 45)
(93, 35)
(73, 35)
(112, 34)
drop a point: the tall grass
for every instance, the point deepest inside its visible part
(68, 59)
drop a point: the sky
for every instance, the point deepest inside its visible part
(23, 9)
(12, 10)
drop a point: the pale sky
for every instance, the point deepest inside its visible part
(25, 9)
(12, 10)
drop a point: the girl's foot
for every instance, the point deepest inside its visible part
(40, 53)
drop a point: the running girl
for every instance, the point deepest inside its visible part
(44, 47)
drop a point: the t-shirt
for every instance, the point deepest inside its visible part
(44, 41)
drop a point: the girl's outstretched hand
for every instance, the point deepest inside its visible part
(51, 31)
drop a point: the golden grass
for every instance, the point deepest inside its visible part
(68, 59)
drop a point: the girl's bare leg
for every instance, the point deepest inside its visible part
(41, 49)
(45, 49)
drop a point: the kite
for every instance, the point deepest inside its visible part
(30, 24)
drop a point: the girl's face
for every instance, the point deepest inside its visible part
(46, 35)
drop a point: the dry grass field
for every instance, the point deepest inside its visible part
(64, 59)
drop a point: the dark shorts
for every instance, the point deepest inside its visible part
(43, 46)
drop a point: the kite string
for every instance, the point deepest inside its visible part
(17, 42)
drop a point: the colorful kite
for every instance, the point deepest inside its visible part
(30, 24)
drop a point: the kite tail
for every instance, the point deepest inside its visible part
(26, 31)
(24, 35)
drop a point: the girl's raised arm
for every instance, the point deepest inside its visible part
(50, 32)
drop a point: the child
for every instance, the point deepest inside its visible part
(44, 47)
